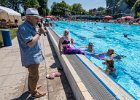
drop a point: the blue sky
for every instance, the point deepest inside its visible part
(86, 4)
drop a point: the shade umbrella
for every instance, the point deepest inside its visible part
(108, 17)
(127, 17)
(49, 16)
(9, 14)
(123, 17)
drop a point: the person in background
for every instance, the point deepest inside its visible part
(30, 49)
(65, 46)
(90, 47)
(126, 36)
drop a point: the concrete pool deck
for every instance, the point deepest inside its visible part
(13, 77)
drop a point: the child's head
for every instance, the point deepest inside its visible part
(90, 45)
(110, 51)
(72, 41)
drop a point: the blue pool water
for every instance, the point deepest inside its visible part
(107, 35)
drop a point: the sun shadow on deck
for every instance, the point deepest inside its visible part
(24, 96)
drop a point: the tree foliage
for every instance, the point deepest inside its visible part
(59, 9)
(41, 5)
(77, 8)
(43, 9)
(31, 4)
(92, 11)
(4, 3)
(131, 2)
(136, 8)
(13, 4)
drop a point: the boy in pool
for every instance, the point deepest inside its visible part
(110, 66)
(89, 47)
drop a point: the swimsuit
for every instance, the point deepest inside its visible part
(71, 50)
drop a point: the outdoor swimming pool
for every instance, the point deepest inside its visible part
(107, 35)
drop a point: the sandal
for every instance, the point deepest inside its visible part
(37, 87)
(39, 94)
(56, 74)
(50, 76)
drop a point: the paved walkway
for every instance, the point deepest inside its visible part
(13, 77)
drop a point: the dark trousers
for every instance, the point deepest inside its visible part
(33, 77)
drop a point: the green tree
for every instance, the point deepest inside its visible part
(92, 11)
(34, 4)
(4, 3)
(136, 8)
(43, 9)
(31, 4)
(59, 9)
(13, 4)
(131, 2)
(27, 4)
(101, 10)
(77, 9)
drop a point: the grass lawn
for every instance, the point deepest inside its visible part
(12, 34)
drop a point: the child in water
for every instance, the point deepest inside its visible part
(89, 47)
(110, 66)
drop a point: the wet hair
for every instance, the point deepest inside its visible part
(110, 62)
(112, 50)
(90, 43)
